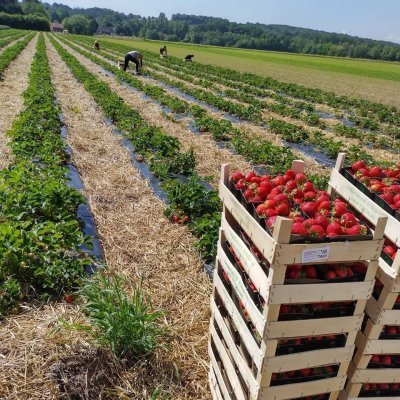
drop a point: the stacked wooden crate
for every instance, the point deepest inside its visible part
(375, 368)
(258, 348)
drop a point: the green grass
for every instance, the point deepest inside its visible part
(239, 58)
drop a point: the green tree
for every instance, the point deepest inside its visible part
(10, 7)
(34, 7)
(80, 25)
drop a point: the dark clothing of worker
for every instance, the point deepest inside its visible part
(97, 46)
(189, 57)
(135, 57)
(163, 51)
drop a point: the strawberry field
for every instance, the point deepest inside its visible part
(115, 223)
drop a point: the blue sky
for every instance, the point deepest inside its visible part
(376, 19)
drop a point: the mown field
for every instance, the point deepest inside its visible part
(373, 80)
(131, 164)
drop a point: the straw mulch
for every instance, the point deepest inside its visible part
(139, 243)
(13, 84)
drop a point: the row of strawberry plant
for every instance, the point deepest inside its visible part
(257, 151)
(288, 131)
(6, 40)
(40, 236)
(162, 152)
(12, 52)
(294, 110)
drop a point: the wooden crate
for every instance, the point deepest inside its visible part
(245, 349)
(379, 309)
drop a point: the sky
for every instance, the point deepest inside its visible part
(375, 19)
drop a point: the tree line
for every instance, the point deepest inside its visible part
(205, 30)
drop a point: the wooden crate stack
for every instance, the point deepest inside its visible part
(245, 334)
(380, 307)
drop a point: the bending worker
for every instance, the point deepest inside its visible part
(163, 51)
(135, 57)
(96, 45)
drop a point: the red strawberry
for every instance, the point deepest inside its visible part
(278, 180)
(388, 197)
(322, 221)
(242, 184)
(236, 176)
(250, 175)
(330, 275)
(389, 250)
(69, 298)
(358, 165)
(271, 212)
(289, 175)
(308, 187)
(299, 229)
(248, 194)
(375, 172)
(396, 205)
(271, 221)
(281, 198)
(348, 220)
(300, 178)
(341, 271)
(256, 179)
(283, 209)
(309, 196)
(356, 230)
(358, 267)
(261, 209)
(391, 330)
(309, 208)
(334, 228)
(311, 272)
(316, 230)
(321, 199)
(306, 372)
(324, 205)
(309, 222)
(262, 192)
(291, 185)
(339, 209)
(386, 359)
(271, 203)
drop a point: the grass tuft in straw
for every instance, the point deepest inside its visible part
(124, 323)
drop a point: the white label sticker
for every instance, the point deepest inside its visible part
(315, 255)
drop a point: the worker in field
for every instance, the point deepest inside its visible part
(97, 45)
(135, 57)
(188, 57)
(163, 51)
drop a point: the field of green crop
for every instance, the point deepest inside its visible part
(373, 80)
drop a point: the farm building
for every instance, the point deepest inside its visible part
(56, 27)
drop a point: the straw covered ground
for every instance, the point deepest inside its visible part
(13, 84)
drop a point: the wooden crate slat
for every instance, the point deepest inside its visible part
(378, 375)
(308, 359)
(380, 316)
(311, 327)
(249, 262)
(240, 362)
(218, 375)
(241, 326)
(257, 234)
(215, 390)
(367, 207)
(320, 292)
(388, 276)
(240, 290)
(228, 366)
(330, 252)
(285, 392)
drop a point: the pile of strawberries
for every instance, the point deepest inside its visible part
(314, 309)
(325, 272)
(302, 340)
(381, 386)
(383, 182)
(390, 250)
(385, 360)
(293, 195)
(391, 330)
(323, 372)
